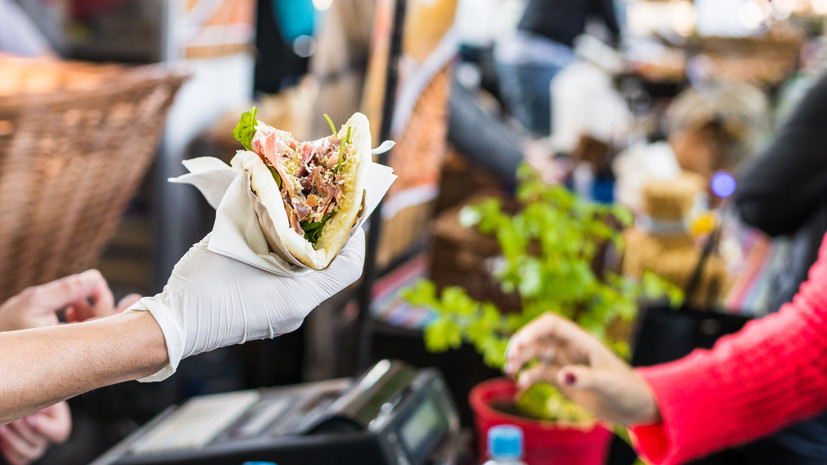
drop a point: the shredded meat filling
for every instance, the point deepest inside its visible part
(321, 187)
(292, 217)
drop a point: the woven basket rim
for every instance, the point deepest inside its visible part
(131, 77)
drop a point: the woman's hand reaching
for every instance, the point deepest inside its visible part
(84, 296)
(25, 440)
(582, 368)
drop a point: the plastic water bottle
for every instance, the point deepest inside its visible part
(505, 445)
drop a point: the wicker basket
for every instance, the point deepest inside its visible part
(460, 180)
(75, 141)
(464, 257)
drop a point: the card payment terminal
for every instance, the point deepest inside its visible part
(392, 414)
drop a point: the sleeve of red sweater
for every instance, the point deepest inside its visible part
(770, 374)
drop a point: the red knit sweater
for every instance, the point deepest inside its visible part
(770, 374)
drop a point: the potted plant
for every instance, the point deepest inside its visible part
(551, 256)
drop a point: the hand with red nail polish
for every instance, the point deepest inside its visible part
(582, 368)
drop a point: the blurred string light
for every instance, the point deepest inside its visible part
(819, 6)
(304, 46)
(782, 9)
(753, 13)
(723, 184)
(684, 18)
(322, 5)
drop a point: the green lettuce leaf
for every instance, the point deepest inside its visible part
(245, 128)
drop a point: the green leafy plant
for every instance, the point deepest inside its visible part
(549, 247)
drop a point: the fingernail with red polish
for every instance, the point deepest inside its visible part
(570, 379)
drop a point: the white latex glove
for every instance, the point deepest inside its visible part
(212, 301)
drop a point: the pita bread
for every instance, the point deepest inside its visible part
(337, 230)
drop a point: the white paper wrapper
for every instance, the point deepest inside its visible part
(237, 232)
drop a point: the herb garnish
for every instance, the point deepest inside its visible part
(313, 229)
(330, 122)
(342, 151)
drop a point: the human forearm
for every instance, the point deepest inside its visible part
(47, 365)
(752, 383)
(770, 374)
(210, 301)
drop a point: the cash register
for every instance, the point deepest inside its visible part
(391, 414)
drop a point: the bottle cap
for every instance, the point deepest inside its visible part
(505, 441)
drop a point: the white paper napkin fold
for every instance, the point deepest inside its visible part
(236, 233)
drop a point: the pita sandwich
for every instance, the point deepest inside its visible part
(310, 193)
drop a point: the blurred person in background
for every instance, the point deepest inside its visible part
(543, 45)
(783, 193)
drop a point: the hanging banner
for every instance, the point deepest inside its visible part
(419, 122)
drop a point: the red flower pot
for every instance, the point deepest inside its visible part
(545, 443)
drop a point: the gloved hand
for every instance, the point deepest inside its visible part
(212, 301)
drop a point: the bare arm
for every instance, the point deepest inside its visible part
(210, 301)
(46, 365)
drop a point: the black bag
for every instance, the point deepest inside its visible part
(664, 334)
